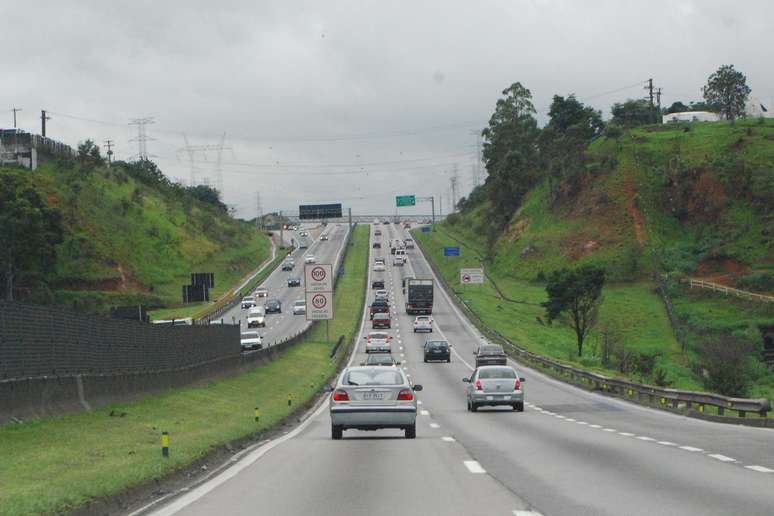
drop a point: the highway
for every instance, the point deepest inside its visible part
(571, 452)
(285, 324)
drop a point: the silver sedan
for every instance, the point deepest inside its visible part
(495, 385)
(370, 398)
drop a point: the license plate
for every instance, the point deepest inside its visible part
(373, 396)
(489, 398)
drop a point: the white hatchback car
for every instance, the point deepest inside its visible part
(378, 267)
(378, 342)
(299, 307)
(423, 323)
(381, 294)
(309, 258)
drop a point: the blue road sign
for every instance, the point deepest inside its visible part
(425, 229)
(451, 251)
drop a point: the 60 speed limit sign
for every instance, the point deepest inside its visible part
(319, 306)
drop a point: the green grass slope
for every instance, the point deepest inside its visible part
(128, 239)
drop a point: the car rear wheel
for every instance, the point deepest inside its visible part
(518, 407)
(473, 407)
(411, 431)
(425, 360)
(336, 432)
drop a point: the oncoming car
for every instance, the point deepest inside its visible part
(494, 385)
(273, 306)
(248, 302)
(256, 317)
(294, 282)
(262, 292)
(251, 340)
(371, 398)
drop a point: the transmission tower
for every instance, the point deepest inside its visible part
(453, 182)
(193, 150)
(142, 136)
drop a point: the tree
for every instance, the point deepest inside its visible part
(727, 361)
(88, 153)
(31, 229)
(633, 113)
(509, 153)
(677, 107)
(727, 88)
(578, 293)
(207, 194)
(566, 113)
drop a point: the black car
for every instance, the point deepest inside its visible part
(490, 355)
(377, 245)
(380, 359)
(273, 306)
(377, 283)
(437, 350)
(294, 282)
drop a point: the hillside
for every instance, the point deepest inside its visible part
(132, 236)
(682, 201)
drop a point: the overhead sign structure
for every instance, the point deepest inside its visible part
(451, 251)
(405, 200)
(319, 211)
(319, 306)
(471, 276)
(318, 277)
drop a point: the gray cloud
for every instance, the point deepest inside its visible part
(300, 86)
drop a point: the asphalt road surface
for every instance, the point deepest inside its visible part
(285, 324)
(570, 453)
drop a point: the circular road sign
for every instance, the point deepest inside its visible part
(466, 278)
(318, 274)
(319, 301)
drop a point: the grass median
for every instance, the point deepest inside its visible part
(57, 464)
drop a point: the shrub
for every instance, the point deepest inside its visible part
(453, 219)
(761, 281)
(727, 361)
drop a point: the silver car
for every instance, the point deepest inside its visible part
(378, 342)
(495, 385)
(370, 398)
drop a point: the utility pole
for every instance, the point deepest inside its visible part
(109, 145)
(349, 211)
(15, 110)
(258, 211)
(282, 230)
(658, 99)
(43, 119)
(649, 87)
(432, 206)
(142, 137)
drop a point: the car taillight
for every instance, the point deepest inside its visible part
(518, 384)
(478, 385)
(405, 395)
(340, 395)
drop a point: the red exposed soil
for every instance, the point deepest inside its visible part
(631, 206)
(722, 270)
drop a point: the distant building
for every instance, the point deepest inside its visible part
(691, 116)
(30, 150)
(757, 109)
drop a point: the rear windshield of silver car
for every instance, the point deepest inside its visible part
(374, 377)
(496, 372)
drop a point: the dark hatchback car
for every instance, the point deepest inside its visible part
(377, 245)
(437, 350)
(490, 355)
(294, 282)
(380, 359)
(381, 321)
(377, 283)
(273, 306)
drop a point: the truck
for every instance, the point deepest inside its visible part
(419, 296)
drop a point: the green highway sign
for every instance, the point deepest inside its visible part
(405, 200)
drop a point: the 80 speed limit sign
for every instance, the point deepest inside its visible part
(319, 306)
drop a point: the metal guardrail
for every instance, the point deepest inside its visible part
(717, 287)
(674, 399)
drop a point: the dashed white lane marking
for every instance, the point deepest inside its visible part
(645, 438)
(425, 413)
(760, 469)
(581, 423)
(609, 430)
(595, 426)
(474, 467)
(435, 425)
(419, 402)
(571, 420)
(721, 458)
(667, 443)
(626, 434)
(402, 355)
(526, 513)
(447, 439)
(559, 416)
(690, 449)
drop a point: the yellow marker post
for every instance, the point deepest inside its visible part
(290, 400)
(257, 414)
(164, 444)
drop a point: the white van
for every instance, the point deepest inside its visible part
(256, 317)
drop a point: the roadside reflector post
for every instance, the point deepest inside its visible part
(701, 408)
(164, 444)
(290, 399)
(257, 414)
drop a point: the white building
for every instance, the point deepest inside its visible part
(691, 116)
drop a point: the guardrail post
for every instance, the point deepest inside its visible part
(742, 413)
(721, 410)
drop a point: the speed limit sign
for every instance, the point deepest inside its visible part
(319, 306)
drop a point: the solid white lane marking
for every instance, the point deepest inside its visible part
(435, 425)
(667, 443)
(474, 467)
(424, 412)
(609, 430)
(645, 438)
(760, 469)
(690, 449)
(448, 439)
(722, 458)
(626, 434)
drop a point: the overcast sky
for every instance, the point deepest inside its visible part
(351, 101)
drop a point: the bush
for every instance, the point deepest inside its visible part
(728, 364)
(761, 281)
(453, 219)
